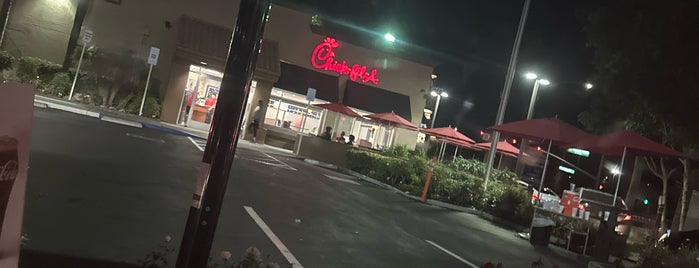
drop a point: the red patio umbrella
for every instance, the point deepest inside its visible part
(622, 143)
(552, 129)
(338, 107)
(616, 142)
(448, 132)
(503, 147)
(546, 129)
(393, 119)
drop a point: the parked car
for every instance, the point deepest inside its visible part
(548, 195)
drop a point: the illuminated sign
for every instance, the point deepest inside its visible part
(323, 57)
(566, 169)
(580, 152)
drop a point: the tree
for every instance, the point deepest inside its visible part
(645, 75)
(117, 73)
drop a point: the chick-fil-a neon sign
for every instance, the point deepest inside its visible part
(323, 57)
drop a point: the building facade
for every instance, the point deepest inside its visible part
(194, 36)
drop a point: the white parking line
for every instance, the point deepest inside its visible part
(275, 240)
(341, 179)
(280, 162)
(452, 254)
(195, 144)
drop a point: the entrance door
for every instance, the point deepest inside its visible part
(201, 95)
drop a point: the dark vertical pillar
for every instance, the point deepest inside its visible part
(223, 135)
(80, 13)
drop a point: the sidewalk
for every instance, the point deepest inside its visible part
(108, 115)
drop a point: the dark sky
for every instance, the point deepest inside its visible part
(472, 40)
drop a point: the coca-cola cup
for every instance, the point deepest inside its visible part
(8, 172)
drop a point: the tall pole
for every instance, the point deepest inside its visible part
(215, 168)
(145, 90)
(436, 107)
(80, 14)
(621, 169)
(519, 167)
(77, 71)
(4, 17)
(506, 92)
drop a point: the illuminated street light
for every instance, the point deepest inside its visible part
(530, 76)
(544, 82)
(439, 93)
(389, 37)
(616, 171)
(588, 86)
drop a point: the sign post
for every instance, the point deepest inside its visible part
(87, 37)
(152, 61)
(310, 96)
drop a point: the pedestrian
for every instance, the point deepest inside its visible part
(327, 135)
(256, 119)
(341, 138)
(351, 140)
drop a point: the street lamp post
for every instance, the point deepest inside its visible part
(530, 113)
(439, 93)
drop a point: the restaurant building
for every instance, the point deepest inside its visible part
(298, 53)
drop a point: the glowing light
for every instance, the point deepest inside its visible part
(434, 93)
(588, 86)
(646, 201)
(389, 37)
(544, 82)
(444, 94)
(323, 57)
(530, 76)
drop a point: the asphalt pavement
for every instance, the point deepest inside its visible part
(106, 191)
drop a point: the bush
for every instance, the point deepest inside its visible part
(661, 257)
(26, 68)
(152, 107)
(30, 69)
(514, 204)
(6, 60)
(400, 151)
(47, 70)
(60, 84)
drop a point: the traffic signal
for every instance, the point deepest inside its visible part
(646, 201)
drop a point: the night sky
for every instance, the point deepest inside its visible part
(472, 41)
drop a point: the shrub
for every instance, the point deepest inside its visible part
(400, 151)
(27, 68)
(60, 84)
(6, 60)
(514, 205)
(47, 70)
(152, 107)
(662, 257)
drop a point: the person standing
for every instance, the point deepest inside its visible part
(256, 119)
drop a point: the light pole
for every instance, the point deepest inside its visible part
(439, 93)
(519, 167)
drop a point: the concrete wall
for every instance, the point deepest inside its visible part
(40, 28)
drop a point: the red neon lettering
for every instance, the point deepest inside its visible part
(323, 57)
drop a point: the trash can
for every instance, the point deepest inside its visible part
(542, 227)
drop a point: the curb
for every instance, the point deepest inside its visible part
(113, 118)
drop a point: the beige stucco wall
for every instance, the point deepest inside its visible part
(40, 28)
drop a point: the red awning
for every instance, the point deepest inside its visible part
(549, 129)
(337, 107)
(448, 132)
(503, 147)
(635, 144)
(392, 119)
(460, 143)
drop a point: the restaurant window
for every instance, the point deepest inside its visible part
(286, 109)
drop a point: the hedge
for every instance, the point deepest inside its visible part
(459, 182)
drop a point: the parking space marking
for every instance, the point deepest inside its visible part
(197, 144)
(452, 254)
(281, 164)
(275, 240)
(341, 179)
